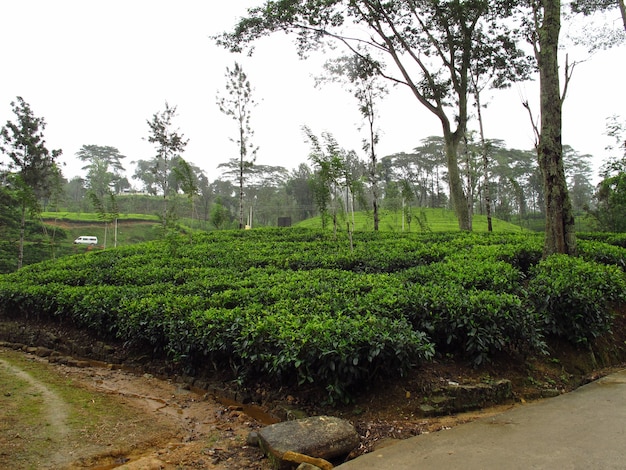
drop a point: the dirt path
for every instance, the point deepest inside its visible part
(53, 427)
(76, 414)
(55, 408)
(99, 418)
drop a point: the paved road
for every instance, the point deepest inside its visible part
(584, 429)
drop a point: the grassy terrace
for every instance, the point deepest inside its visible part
(422, 220)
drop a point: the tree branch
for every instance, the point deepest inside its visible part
(569, 71)
(532, 122)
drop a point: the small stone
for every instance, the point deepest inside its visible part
(43, 352)
(550, 393)
(427, 409)
(307, 466)
(253, 439)
(302, 459)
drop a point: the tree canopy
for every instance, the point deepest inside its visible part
(32, 169)
(169, 143)
(431, 47)
(237, 104)
(104, 169)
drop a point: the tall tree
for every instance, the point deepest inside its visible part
(204, 198)
(187, 181)
(261, 180)
(32, 166)
(9, 215)
(144, 173)
(560, 227)
(104, 179)
(299, 188)
(75, 192)
(238, 104)
(610, 212)
(429, 45)
(431, 158)
(328, 160)
(108, 212)
(578, 174)
(104, 169)
(170, 143)
(516, 179)
(363, 82)
(487, 72)
(225, 191)
(219, 214)
(265, 194)
(423, 168)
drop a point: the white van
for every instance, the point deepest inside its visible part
(86, 241)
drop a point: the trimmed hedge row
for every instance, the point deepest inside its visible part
(572, 296)
(299, 306)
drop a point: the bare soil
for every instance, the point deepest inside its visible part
(101, 415)
(153, 423)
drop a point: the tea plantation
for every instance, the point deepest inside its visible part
(300, 306)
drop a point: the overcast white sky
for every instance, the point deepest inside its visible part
(96, 71)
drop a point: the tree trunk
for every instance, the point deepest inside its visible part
(376, 216)
(483, 146)
(164, 209)
(20, 253)
(469, 184)
(487, 191)
(560, 236)
(165, 187)
(241, 226)
(373, 162)
(459, 200)
(242, 152)
(375, 195)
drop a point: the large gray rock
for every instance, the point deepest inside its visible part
(321, 437)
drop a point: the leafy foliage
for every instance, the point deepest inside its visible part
(572, 296)
(432, 48)
(299, 307)
(32, 171)
(238, 106)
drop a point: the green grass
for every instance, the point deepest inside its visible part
(131, 229)
(423, 220)
(93, 216)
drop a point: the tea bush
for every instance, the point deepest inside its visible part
(299, 306)
(474, 323)
(493, 275)
(602, 253)
(572, 296)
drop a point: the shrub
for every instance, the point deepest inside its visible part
(337, 352)
(477, 324)
(301, 306)
(491, 275)
(522, 256)
(602, 253)
(573, 296)
(611, 238)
